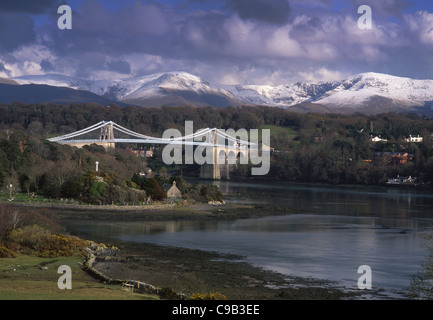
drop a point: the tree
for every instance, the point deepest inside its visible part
(4, 166)
(151, 186)
(16, 218)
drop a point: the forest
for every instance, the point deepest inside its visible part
(309, 147)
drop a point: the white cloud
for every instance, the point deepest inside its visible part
(421, 25)
(26, 60)
(322, 75)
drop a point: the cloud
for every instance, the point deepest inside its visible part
(16, 30)
(271, 11)
(253, 41)
(385, 9)
(47, 66)
(119, 66)
(144, 19)
(323, 74)
(29, 6)
(4, 70)
(420, 25)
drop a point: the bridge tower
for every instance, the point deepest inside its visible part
(107, 136)
(212, 170)
(220, 168)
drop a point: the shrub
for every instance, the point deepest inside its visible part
(204, 193)
(151, 186)
(33, 237)
(208, 296)
(62, 245)
(6, 253)
(44, 244)
(168, 294)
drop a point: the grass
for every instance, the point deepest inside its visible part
(21, 197)
(28, 198)
(279, 130)
(281, 137)
(33, 278)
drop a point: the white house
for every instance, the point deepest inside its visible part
(378, 139)
(417, 139)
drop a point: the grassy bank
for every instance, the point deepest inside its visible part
(32, 278)
(155, 212)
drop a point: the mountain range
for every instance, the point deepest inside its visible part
(366, 92)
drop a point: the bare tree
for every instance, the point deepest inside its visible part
(16, 217)
(60, 172)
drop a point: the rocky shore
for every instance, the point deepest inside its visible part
(186, 271)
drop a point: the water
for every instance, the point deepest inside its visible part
(338, 230)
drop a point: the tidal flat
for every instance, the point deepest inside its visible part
(189, 271)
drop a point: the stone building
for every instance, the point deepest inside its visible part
(173, 193)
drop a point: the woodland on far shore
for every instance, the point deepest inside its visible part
(310, 147)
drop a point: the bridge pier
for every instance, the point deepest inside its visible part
(223, 164)
(210, 171)
(217, 171)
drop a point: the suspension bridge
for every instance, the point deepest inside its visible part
(224, 149)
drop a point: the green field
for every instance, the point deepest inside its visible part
(281, 137)
(278, 130)
(34, 278)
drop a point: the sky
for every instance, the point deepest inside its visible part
(263, 42)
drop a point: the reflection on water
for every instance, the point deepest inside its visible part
(349, 200)
(341, 228)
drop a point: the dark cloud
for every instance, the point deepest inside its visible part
(386, 8)
(252, 39)
(47, 66)
(119, 66)
(89, 63)
(16, 29)
(142, 29)
(308, 27)
(271, 11)
(204, 32)
(29, 6)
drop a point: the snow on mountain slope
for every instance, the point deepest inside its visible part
(177, 88)
(281, 95)
(358, 89)
(178, 81)
(352, 92)
(132, 88)
(182, 88)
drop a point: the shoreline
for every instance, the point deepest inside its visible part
(159, 212)
(189, 271)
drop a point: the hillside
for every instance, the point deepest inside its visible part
(33, 93)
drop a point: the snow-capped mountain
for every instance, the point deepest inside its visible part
(366, 92)
(360, 89)
(170, 88)
(354, 92)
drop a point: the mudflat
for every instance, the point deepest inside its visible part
(190, 271)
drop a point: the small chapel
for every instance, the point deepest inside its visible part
(173, 193)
